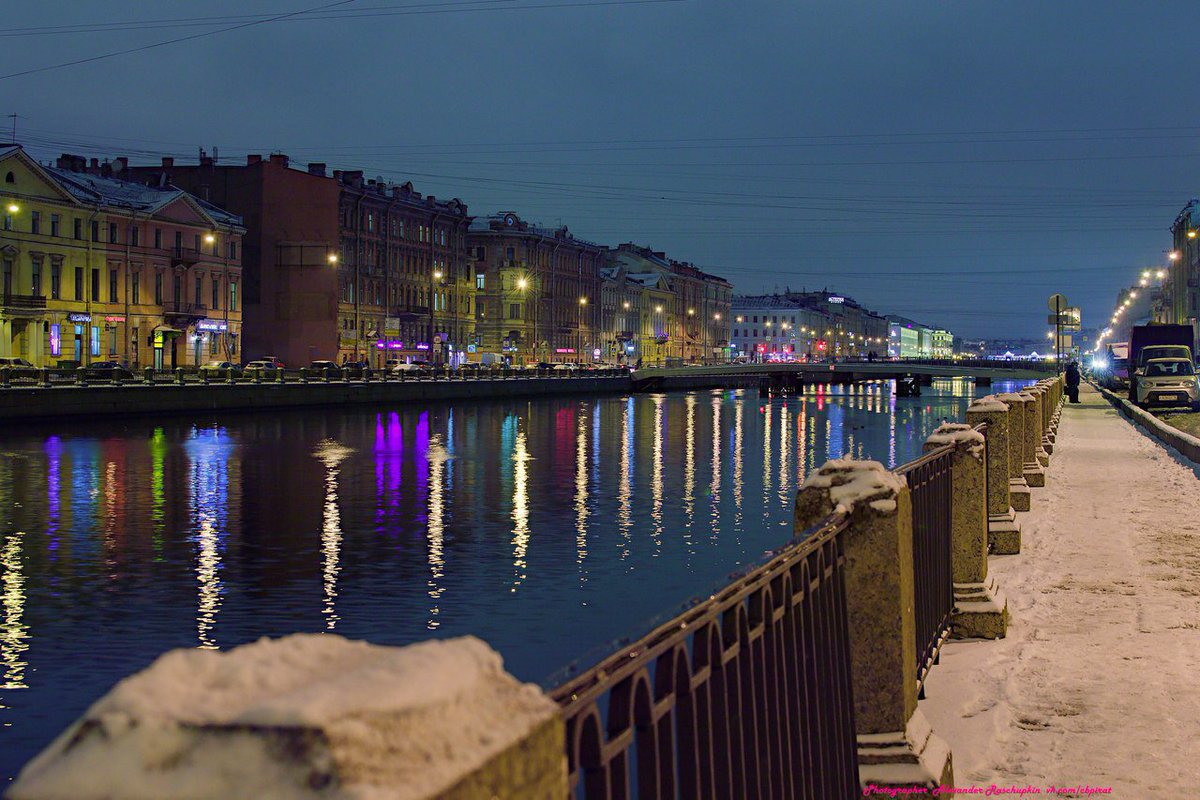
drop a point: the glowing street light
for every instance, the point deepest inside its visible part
(522, 283)
(332, 258)
(583, 301)
(437, 274)
(1191, 234)
(625, 305)
(209, 238)
(1173, 255)
(13, 208)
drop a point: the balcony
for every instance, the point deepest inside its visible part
(190, 310)
(22, 303)
(185, 256)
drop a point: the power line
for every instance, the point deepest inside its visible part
(177, 40)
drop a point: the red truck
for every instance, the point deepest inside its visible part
(1156, 341)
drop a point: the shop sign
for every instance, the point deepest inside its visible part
(55, 340)
(567, 350)
(114, 319)
(422, 345)
(79, 317)
(837, 300)
(390, 344)
(214, 325)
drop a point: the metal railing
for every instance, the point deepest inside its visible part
(929, 481)
(25, 302)
(747, 694)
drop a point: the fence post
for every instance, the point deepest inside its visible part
(1018, 487)
(5, 376)
(896, 745)
(1004, 533)
(149, 375)
(464, 729)
(81, 376)
(980, 608)
(46, 377)
(179, 375)
(1041, 393)
(1031, 439)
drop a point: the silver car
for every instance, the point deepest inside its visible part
(1168, 382)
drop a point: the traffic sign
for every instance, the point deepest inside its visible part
(1058, 303)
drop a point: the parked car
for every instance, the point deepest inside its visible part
(562, 366)
(276, 360)
(220, 369)
(1168, 382)
(18, 367)
(414, 366)
(266, 367)
(99, 370)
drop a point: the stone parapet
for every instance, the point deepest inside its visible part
(1018, 487)
(896, 747)
(1004, 533)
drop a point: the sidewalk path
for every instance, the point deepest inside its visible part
(1098, 681)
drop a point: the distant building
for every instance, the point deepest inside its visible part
(810, 325)
(1181, 286)
(96, 268)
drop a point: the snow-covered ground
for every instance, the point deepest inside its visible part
(1097, 682)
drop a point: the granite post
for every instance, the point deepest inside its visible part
(897, 748)
(1004, 533)
(1018, 487)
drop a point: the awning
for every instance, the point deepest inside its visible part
(167, 330)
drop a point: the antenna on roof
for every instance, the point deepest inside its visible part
(14, 127)
(214, 154)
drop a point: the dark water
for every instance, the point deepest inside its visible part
(546, 527)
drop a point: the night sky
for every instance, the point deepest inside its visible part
(953, 162)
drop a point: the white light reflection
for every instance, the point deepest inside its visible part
(766, 439)
(208, 482)
(520, 512)
(624, 489)
(785, 485)
(738, 407)
(581, 492)
(714, 488)
(331, 454)
(438, 458)
(656, 477)
(689, 472)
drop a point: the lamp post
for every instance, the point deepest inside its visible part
(579, 348)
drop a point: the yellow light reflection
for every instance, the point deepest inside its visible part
(331, 454)
(769, 413)
(14, 634)
(784, 457)
(714, 488)
(208, 562)
(689, 471)
(520, 512)
(437, 457)
(738, 408)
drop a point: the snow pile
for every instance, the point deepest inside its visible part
(851, 482)
(958, 433)
(1012, 397)
(1095, 683)
(984, 405)
(306, 716)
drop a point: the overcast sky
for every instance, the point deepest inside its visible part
(952, 162)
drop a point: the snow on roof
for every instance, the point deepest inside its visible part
(293, 717)
(851, 482)
(130, 194)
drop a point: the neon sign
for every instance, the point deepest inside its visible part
(212, 325)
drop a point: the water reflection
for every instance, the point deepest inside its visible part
(330, 453)
(121, 539)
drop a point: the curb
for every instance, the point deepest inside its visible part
(1187, 445)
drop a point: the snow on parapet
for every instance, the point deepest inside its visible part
(1012, 397)
(305, 716)
(958, 433)
(851, 482)
(986, 404)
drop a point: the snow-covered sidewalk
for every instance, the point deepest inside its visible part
(1097, 682)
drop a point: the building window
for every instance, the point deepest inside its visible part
(8, 276)
(508, 253)
(199, 291)
(135, 236)
(112, 286)
(212, 344)
(79, 283)
(112, 342)
(112, 233)
(8, 222)
(134, 287)
(232, 251)
(55, 340)
(479, 280)
(158, 238)
(514, 310)
(233, 296)
(178, 242)
(78, 228)
(95, 284)
(55, 280)
(35, 222)
(95, 340)
(216, 291)
(54, 220)
(158, 287)
(216, 251)
(37, 277)
(10, 178)
(95, 231)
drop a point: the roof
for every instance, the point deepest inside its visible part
(131, 195)
(524, 228)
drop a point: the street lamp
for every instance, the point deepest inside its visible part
(332, 258)
(13, 208)
(522, 283)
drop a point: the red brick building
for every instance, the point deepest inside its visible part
(290, 279)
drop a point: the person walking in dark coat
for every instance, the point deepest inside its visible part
(1072, 380)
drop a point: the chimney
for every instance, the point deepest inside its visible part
(316, 168)
(120, 164)
(206, 161)
(252, 159)
(95, 165)
(280, 159)
(168, 162)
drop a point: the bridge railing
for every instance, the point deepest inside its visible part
(747, 694)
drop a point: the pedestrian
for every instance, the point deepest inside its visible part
(1072, 380)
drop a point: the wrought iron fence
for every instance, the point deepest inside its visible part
(747, 694)
(929, 480)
